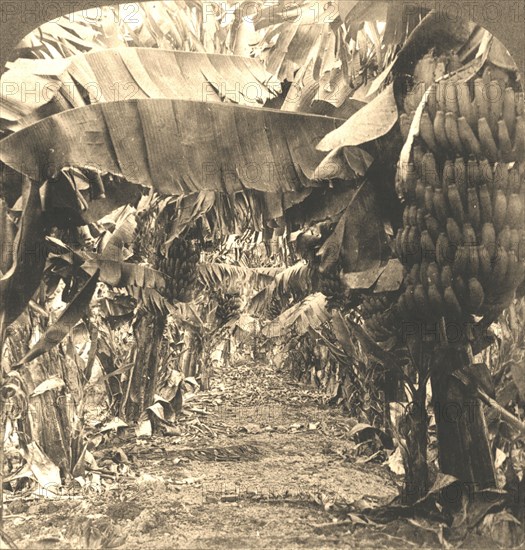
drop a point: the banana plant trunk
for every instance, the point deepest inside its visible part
(188, 363)
(463, 440)
(49, 417)
(148, 329)
(416, 478)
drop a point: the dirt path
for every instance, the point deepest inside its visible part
(267, 465)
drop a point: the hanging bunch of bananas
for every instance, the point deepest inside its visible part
(379, 314)
(328, 280)
(462, 240)
(275, 307)
(329, 283)
(180, 264)
(228, 306)
(301, 356)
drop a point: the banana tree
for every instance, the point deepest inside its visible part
(174, 146)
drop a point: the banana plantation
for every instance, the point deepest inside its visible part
(262, 279)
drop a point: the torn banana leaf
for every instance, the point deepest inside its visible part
(177, 146)
(131, 73)
(67, 320)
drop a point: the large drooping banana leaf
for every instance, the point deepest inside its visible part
(308, 313)
(176, 146)
(359, 241)
(371, 122)
(7, 236)
(29, 252)
(296, 279)
(128, 73)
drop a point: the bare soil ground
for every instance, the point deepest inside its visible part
(256, 462)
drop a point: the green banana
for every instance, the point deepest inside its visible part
(404, 125)
(460, 288)
(410, 180)
(499, 269)
(514, 179)
(417, 158)
(443, 254)
(503, 239)
(432, 276)
(412, 215)
(501, 178)
(499, 210)
(509, 110)
(473, 261)
(428, 248)
(440, 133)
(473, 207)
(420, 194)
(429, 199)
(455, 203)
(485, 263)
(466, 109)
(451, 99)
(460, 175)
(485, 205)
(432, 225)
(429, 173)
(518, 150)
(420, 219)
(455, 237)
(468, 138)
(452, 133)
(426, 131)
(505, 145)
(460, 263)
(515, 212)
(514, 241)
(446, 276)
(432, 100)
(488, 238)
(476, 296)
(488, 145)
(495, 104)
(440, 206)
(480, 98)
(473, 174)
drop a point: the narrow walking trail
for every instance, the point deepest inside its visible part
(258, 461)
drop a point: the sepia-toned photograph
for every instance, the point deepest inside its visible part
(262, 274)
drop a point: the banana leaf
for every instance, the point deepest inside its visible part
(219, 275)
(175, 146)
(371, 122)
(63, 325)
(125, 274)
(309, 313)
(129, 73)
(7, 235)
(359, 241)
(18, 285)
(296, 278)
